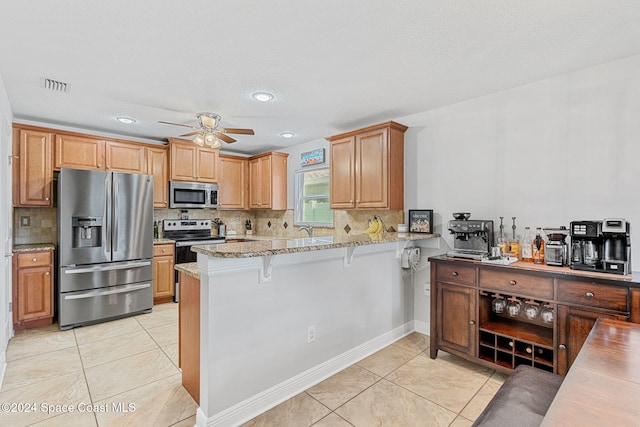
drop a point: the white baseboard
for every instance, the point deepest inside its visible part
(261, 402)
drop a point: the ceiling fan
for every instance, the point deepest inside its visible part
(208, 133)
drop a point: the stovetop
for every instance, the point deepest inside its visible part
(187, 229)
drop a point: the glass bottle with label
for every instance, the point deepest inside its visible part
(526, 249)
(537, 247)
(514, 243)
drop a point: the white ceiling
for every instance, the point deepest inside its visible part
(332, 65)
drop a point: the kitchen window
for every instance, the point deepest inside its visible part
(312, 198)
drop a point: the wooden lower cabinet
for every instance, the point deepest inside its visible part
(33, 289)
(574, 325)
(163, 273)
(189, 334)
(456, 312)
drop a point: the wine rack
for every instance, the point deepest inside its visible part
(511, 340)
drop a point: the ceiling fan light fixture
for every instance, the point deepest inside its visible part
(287, 135)
(262, 96)
(199, 140)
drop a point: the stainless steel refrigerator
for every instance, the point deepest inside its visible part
(105, 246)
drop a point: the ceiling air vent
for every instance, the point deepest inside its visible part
(54, 85)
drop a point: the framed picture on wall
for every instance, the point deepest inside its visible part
(421, 221)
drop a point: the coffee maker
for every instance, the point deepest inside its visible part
(556, 251)
(616, 233)
(603, 246)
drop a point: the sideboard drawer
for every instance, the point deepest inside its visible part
(593, 294)
(511, 282)
(456, 273)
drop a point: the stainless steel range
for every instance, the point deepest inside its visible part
(187, 233)
(473, 238)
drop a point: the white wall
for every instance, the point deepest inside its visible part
(6, 326)
(553, 151)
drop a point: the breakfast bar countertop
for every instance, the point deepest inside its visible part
(262, 246)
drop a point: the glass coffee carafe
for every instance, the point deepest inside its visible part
(590, 252)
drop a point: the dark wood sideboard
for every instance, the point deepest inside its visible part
(464, 323)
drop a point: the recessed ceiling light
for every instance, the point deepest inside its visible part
(126, 120)
(262, 96)
(287, 134)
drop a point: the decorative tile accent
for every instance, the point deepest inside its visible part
(391, 229)
(269, 224)
(285, 225)
(347, 229)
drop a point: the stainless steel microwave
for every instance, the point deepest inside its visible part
(192, 195)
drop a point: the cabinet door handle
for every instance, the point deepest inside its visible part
(35, 259)
(589, 294)
(98, 165)
(472, 322)
(46, 199)
(562, 347)
(512, 282)
(47, 273)
(455, 273)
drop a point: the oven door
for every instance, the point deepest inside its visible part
(183, 254)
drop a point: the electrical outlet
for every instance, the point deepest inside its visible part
(311, 334)
(25, 221)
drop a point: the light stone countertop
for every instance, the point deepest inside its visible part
(263, 246)
(162, 240)
(190, 268)
(34, 247)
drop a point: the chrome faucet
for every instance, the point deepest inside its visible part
(307, 228)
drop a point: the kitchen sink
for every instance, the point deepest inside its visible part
(310, 241)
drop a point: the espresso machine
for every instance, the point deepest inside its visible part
(473, 238)
(603, 246)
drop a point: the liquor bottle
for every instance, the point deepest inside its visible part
(502, 242)
(514, 244)
(155, 229)
(537, 247)
(527, 241)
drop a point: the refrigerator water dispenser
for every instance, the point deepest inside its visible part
(87, 231)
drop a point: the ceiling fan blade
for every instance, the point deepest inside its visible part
(178, 124)
(225, 138)
(190, 134)
(238, 131)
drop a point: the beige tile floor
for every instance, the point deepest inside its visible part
(134, 361)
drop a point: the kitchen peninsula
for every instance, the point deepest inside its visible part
(279, 315)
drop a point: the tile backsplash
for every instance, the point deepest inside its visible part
(42, 226)
(42, 222)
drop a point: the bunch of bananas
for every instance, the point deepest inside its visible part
(375, 227)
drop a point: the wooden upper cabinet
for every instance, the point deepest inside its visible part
(33, 171)
(207, 165)
(367, 168)
(268, 181)
(343, 162)
(192, 163)
(79, 152)
(157, 165)
(233, 191)
(125, 157)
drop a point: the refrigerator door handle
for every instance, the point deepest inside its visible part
(108, 267)
(93, 294)
(106, 233)
(115, 213)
